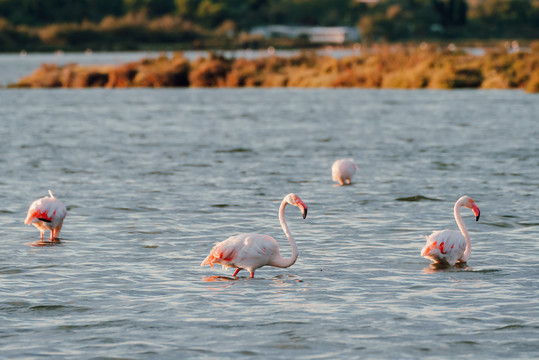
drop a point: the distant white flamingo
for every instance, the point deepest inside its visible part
(47, 213)
(342, 171)
(252, 251)
(447, 247)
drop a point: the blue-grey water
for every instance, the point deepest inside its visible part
(153, 178)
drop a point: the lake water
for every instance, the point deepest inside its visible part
(153, 178)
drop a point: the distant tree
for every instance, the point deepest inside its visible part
(211, 12)
(397, 19)
(161, 7)
(310, 12)
(503, 11)
(384, 19)
(39, 12)
(153, 8)
(506, 18)
(187, 8)
(135, 5)
(246, 13)
(451, 12)
(96, 10)
(45, 12)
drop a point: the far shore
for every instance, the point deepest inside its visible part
(384, 66)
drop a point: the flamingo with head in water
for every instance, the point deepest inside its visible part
(448, 247)
(47, 213)
(252, 251)
(342, 171)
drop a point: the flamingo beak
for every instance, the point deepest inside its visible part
(476, 211)
(302, 207)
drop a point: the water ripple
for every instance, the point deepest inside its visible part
(416, 198)
(153, 178)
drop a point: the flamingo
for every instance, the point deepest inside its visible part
(47, 213)
(447, 247)
(252, 251)
(342, 171)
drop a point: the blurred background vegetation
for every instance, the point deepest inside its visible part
(38, 25)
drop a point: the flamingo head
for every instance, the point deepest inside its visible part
(467, 202)
(293, 199)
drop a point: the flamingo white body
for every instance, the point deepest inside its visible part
(253, 251)
(343, 170)
(448, 247)
(47, 213)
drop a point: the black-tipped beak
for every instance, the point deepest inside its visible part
(476, 211)
(302, 207)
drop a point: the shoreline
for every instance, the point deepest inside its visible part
(382, 66)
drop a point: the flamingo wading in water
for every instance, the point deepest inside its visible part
(252, 251)
(342, 171)
(448, 247)
(47, 213)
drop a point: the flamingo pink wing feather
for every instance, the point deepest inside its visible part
(46, 209)
(445, 245)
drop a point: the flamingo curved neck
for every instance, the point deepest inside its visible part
(464, 232)
(279, 261)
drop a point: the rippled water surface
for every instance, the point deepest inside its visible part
(153, 178)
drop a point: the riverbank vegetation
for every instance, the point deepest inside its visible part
(37, 25)
(396, 66)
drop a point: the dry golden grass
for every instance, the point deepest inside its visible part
(379, 67)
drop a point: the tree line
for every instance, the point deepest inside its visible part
(382, 20)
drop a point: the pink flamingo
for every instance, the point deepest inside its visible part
(447, 247)
(252, 251)
(47, 213)
(342, 171)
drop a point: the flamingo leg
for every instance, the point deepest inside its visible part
(236, 272)
(57, 230)
(42, 236)
(253, 274)
(54, 234)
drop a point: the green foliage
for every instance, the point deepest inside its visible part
(392, 20)
(39, 12)
(513, 18)
(13, 40)
(152, 7)
(385, 20)
(187, 8)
